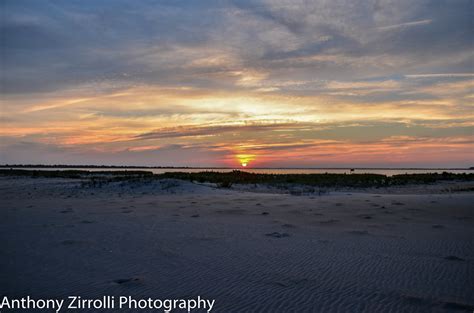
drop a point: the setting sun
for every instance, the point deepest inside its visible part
(245, 159)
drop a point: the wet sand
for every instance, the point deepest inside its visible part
(251, 251)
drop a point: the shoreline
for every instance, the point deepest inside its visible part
(81, 166)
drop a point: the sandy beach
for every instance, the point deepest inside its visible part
(251, 251)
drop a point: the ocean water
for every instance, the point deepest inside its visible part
(388, 172)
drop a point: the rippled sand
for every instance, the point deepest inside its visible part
(252, 252)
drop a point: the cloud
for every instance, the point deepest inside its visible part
(358, 88)
(213, 130)
(144, 148)
(440, 75)
(404, 25)
(164, 43)
(106, 76)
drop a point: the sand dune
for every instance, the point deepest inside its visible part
(251, 251)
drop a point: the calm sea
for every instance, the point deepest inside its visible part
(388, 172)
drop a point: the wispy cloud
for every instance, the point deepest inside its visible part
(212, 130)
(440, 75)
(405, 25)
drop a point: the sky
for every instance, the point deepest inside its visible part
(280, 83)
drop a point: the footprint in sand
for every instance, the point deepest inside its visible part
(123, 281)
(71, 242)
(453, 258)
(415, 210)
(87, 222)
(398, 203)
(359, 232)
(277, 235)
(265, 213)
(236, 211)
(365, 216)
(329, 222)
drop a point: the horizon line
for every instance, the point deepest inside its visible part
(229, 168)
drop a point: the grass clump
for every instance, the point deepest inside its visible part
(228, 179)
(76, 174)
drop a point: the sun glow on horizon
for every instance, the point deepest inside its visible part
(245, 159)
